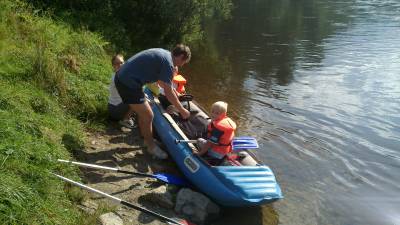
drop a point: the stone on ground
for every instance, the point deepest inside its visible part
(195, 206)
(110, 219)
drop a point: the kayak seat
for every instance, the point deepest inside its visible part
(212, 161)
(228, 160)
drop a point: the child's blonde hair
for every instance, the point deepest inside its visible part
(220, 106)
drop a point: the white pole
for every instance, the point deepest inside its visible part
(88, 165)
(128, 204)
(88, 188)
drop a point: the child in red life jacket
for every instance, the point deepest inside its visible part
(220, 132)
(178, 83)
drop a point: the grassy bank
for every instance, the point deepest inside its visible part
(53, 80)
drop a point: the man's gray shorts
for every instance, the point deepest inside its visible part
(117, 112)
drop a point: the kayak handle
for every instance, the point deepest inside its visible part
(177, 141)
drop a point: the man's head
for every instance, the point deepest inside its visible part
(218, 110)
(181, 55)
(117, 62)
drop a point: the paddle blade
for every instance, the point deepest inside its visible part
(170, 179)
(240, 143)
(185, 222)
(182, 222)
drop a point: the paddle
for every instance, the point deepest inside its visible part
(241, 143)
(167, 178)
(125, 203)
(238, 143)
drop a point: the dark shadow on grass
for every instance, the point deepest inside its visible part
(73, 145)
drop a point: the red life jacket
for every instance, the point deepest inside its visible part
(178, 82)
(221, 133)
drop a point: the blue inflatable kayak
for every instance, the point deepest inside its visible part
(250, 183)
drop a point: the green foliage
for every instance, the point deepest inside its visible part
(5, 104)
(132, 25)
(40, 104)
(71, 66)
(28, 151)
(49, 76)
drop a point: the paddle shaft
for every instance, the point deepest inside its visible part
(107, 168)
(238, 143)
(125, 203)
(185, 141)
(238, 140)
(166, 178)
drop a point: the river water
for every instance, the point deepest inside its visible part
(318, 84)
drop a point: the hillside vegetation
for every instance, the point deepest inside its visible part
(51, 80)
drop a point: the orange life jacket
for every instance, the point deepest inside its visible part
(221, 133)
(178, 83)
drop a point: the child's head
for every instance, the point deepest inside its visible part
(117, 62)
(218, 110)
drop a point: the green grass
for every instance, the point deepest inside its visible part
(31, 134)
(53, 83)
(71, 67)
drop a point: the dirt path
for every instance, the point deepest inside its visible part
(124, 149)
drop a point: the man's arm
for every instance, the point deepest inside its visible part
(172, 97)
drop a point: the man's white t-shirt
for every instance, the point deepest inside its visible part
(114, 98)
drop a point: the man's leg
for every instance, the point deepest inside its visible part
(128, 114)
(137, 103)
(145, 117)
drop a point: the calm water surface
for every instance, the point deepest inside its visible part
(318, 84)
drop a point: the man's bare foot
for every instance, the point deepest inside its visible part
(157, 152)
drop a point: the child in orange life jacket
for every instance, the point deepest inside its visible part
(178, 83)
(220, 132)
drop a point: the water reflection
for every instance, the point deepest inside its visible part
(265, 215)
(268, 36)
(316, 82)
